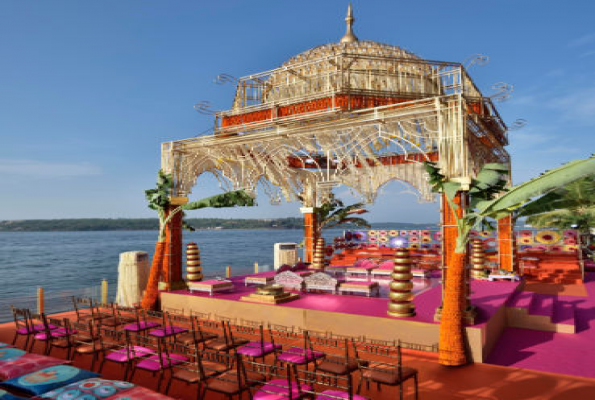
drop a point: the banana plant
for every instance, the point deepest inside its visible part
(334, 213)
(159, 200)
(489, 200)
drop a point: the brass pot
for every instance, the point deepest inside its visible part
(400, 296)
(194, 277)
(194, 270)
(400, 276)
(401, 286)
(401, 309)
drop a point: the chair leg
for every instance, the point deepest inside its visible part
(401, 391)
(132, 374)
(171, 378)
(198, 390)
(101, 366)
(159, 380)
(416, 387)
(359, 385)
(14, 339)
(93, 360)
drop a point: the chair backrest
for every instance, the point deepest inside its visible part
(81, 303)
(128, 313)
(319, 381)
(22, 319)
(282, 377)
(153, 315)
(222, 318)
(156, 344)
(234, 361)
(330, 345)
(86, 333)
(110, 338)
(217, 327)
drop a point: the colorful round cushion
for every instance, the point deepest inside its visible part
(570, 233)
(414, 239)
(383, 239)
(426, 239)
(425, 233)
(413, 233)
(570, 240)
(547, 237)
(490, 243)
(9, 354)
(92, 389)
(404, 233)
(526, 240)
(414, 246)
(570, 248)
(526, 233)
(473, 233)
(348, 236)
(372, 233)
(485, 234)
(382, 233)
(393, 233)
(438, 236)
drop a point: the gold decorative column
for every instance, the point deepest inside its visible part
(400, 295)
(477, 258)
(318, 262)
(193, 266)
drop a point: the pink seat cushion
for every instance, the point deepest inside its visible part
(55, 333)
(169, 331)
(124, 356)
(35, 328)
(254, 349)
(336, 394)
(296, 355)
(278, 390)
(387, 265)
(152, 363)
(144, 325)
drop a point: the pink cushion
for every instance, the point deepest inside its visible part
(337, 394)
(54, 333)
(277, 390)
(296, 355)
(123, 355)
(170, 330)
(387, 265)
(144, 325)
(152, 363)
(254, 349)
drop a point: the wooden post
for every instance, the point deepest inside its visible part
(104, 291)
(172, 272)
(228, 271)
(255, 267)
(506, 244)
(310, 228)
(40, 300)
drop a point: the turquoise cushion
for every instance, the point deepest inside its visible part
(50, 378)
(89, 389)
(4, 395)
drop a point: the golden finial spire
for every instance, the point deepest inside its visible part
(349, 36)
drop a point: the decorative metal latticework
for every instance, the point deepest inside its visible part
(355, 113)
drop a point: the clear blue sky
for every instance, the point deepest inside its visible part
(89, 90)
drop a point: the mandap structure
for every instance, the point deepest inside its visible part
(357, 113)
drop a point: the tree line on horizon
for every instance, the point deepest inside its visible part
(142, 224)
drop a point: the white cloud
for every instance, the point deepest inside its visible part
(583, 40)
(578, 105)
(587, 54)
(45, 169)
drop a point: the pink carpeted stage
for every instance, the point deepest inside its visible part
(359, 315)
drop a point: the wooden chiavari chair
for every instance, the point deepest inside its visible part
(258, 347)
(390, 372)
(322, 386)
(196, 335)
(297, 347)
(281, 382)
(189, 371)
(122, 351)
(85, 309)
(161, 359)
(23, 325)
(231, 383)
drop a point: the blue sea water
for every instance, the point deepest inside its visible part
(74, 263)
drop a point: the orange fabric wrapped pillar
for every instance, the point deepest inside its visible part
(310, 228)
(172, 260)
(506, 244)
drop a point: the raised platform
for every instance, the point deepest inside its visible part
(361, 316)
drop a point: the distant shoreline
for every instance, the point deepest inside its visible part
(152, 224)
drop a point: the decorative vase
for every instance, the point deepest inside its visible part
(193, 265)
(400, 295)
